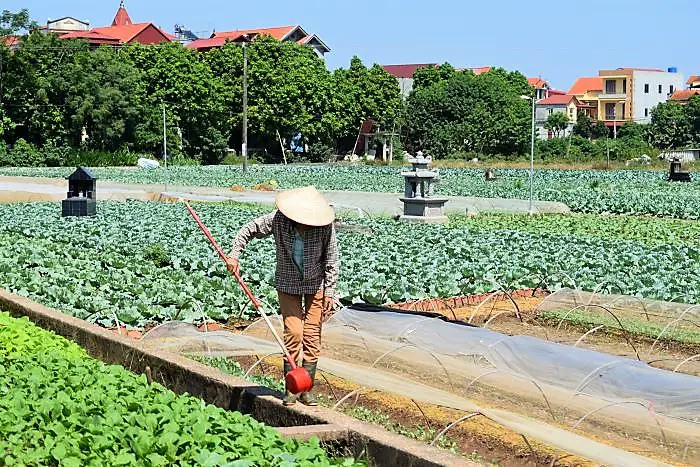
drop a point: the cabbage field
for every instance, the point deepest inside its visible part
(140, 262)
(590, 191)
(59, 406)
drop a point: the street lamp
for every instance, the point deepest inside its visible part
(244, 144)
(532, 154)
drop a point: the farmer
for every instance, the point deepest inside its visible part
(306, 272)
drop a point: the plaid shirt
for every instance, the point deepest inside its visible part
(321, 263)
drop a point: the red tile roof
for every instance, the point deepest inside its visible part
(480, 70)
(122, 17)
(684, 94)
(406, 71)
(205, 44)
(124, 33)
(118, 34)
(92, 36)
(276, 33)
(537, 83)
(583, 85)
(556, 92)
(556, 99)
(9, 41)
(313, 37)
(693, 79)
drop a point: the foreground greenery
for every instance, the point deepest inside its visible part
(143, 262)
(59, 406)
(618, 192)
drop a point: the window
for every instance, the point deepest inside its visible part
(661, 90)
(610, 111)
(646, 88)
(646, 112)
(550, 111)
(670, 89)
(610, 86)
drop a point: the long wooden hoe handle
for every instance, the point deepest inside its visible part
(243, 285)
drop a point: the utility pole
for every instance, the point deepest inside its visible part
(531, 209)
(244, 145)
(165, 149)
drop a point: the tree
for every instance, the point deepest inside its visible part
(583, 126)
(692, 114)
(177, 77)
(429, 75)
(468, 113)
(103, 96)
(557, 122)
(669, 127)
(599, 130)
(14, 22)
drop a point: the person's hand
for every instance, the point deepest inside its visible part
(330, 305)
(232, 266)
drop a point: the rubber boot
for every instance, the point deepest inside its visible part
(307, 398)
(289, 398)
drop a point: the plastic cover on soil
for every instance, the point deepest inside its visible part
(618, 398)
(623, 305)
(579, 370)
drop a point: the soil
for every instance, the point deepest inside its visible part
(478, 439)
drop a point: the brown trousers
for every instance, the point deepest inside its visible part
(302, 325)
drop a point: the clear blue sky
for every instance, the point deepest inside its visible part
(558, 40)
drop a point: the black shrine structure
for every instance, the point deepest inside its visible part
(82, 194)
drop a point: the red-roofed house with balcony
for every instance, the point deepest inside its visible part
(283, 34)
(693, 82)
(586, 91)
(556, 103)
(122, 31)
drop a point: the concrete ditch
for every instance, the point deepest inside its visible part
(182, 375)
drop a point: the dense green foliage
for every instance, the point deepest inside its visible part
(144, 262)
(643, 230)
(674, 125)
(589, 191)
(58, 93)
(58, 405)
(452, 111)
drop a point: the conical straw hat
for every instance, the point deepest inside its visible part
(306, 206)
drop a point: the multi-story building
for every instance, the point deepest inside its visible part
(630, 94)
